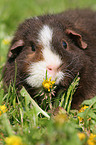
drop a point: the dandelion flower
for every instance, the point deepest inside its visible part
(48, 84)
(13, 140)
(92, 139)
(82, 110)
(81, 135)
(3, 109)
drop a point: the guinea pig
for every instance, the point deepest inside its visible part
(64, 44)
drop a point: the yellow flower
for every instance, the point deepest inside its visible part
(81, 135)
(48, 84)
(13, 140)
(3, 109)
(80, 118)
(6, 41)
(82, 110)
(92, 139)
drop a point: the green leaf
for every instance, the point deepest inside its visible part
(89, 102)
(28, 98)
(92, 114)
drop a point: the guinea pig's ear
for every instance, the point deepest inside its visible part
(77, 38)
(15, 49)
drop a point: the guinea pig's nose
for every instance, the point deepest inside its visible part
(52, 70)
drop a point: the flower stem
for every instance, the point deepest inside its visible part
(62, 100)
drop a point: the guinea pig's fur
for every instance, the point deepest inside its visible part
(63, 44)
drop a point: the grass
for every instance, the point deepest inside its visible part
(22, 121)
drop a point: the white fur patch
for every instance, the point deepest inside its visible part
(37, 70)
(45, 36)
(52, 59)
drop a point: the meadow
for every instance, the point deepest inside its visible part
(22, 120)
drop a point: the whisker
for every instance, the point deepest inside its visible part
(71, 73)
(25, 61)
(68, 75)
(72, 62)
(20, 82)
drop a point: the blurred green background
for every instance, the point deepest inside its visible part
(13, 12)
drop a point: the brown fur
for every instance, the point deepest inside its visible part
(80, 56)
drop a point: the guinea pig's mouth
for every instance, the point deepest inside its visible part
(37, 73)
(35, 81)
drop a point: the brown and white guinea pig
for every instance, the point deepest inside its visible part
(63, 44)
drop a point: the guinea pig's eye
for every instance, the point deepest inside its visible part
(33, 47)
(64, 44)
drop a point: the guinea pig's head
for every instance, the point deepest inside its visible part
(51, 47)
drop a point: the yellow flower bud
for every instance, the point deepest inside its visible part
(3, 109)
